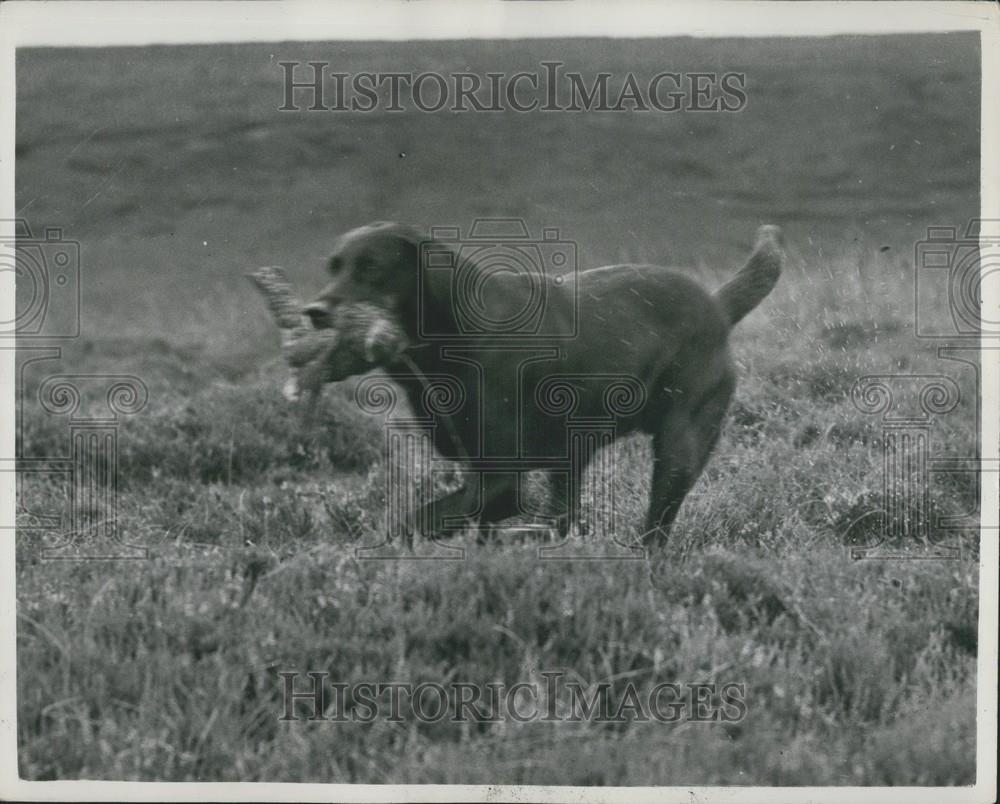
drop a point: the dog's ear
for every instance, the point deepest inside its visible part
(404, 245)
(429, 288)
(411, 245)
(385, 258)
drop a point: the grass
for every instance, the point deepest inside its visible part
(857, 672)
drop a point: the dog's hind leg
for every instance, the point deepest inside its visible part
(681, 448)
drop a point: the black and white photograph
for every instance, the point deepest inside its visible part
(515, 401)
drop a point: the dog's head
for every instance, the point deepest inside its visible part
(374, 265)
(378, 269)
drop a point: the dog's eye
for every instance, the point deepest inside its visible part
(334, 265)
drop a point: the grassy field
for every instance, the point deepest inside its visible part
(176, 173)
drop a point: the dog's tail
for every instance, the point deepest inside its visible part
(755, 279)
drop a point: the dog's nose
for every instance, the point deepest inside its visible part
(319, 315)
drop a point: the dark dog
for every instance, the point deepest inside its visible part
(645, 333)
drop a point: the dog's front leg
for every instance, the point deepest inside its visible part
(566, 494)
(445, 516)
(497, 500)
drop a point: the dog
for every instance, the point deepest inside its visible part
(654, 327)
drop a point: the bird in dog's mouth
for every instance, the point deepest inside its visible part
(359, 336)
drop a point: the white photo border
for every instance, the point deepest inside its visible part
(103, 24)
